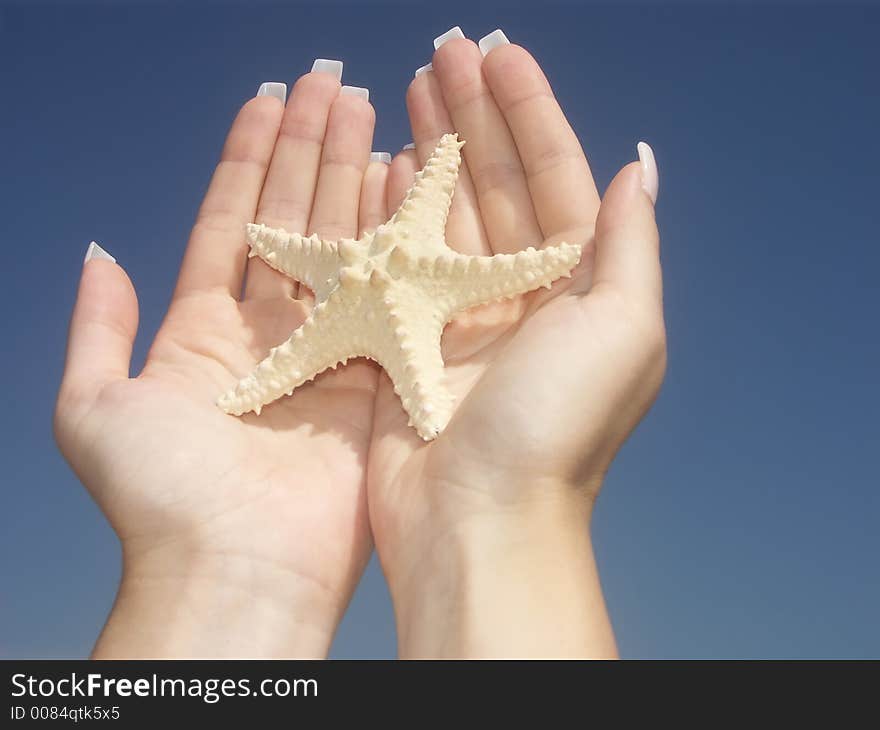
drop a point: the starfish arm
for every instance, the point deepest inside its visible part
(487, 278)
(456, 282)
(305, 258)
(410, 354)
(424, 210)
(323, 341)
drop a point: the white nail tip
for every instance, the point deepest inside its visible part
(650, 176)
(273, 88)
(492, 40)
(328, 66)
(423, 69)
(94, 251)
(410, 146)
(381, 157)
(448, 36)
(356, 91)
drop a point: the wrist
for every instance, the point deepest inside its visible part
(193, 601)
(514, 581)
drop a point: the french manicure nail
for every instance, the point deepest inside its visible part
(328, 66)
(94, 251)
(381, 157)
(650, 176)
(273, 88)
(448, 36)
(409, 146)
(356, 91)
(492, 40)
(422, 69)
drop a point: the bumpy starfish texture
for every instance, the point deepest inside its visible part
(388, 295)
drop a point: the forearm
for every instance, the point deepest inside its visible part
(510, 585)
(200, 606)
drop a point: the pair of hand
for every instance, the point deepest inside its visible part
(247, 536)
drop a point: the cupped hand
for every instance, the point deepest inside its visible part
(548, 384)
(240, 535)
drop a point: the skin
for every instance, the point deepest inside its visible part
(484, 533)
(246, 536)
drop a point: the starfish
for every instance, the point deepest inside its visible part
(388, 295)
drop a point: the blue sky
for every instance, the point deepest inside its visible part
(741, 520)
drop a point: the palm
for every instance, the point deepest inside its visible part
(536, 377)
(285, 490)
(275, 487)
(507, 365)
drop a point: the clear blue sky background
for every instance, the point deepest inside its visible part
(742, 518)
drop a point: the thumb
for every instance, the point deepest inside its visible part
(102, 328)
(627, 241)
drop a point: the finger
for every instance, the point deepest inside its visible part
(401, 176)
(287, 195)
(559, 178)
(493, 161)
(627, 241)
(344, 159)
(430, 120)
(373, 208)
(217, 250)
(102, 328)
(286, 200)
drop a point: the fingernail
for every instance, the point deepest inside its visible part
(650, 176)
(423, 69)
(448, 36)
(381, 157)
(409, 146)
(493, 40)
(328, 66)
(356, 91)
(273, 88)
(94, 251)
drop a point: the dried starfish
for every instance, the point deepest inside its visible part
(388, 295)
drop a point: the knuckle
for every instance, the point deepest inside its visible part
(651, 332)
(518, 99)
(497, 174)
(333, 229)
(281, 211)
(463, 90)
(71, 403)
(655, 333)
(548, 157)
(61, 418)
(302, 125)
(345, 162)
(641, 324)
(216, 221)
